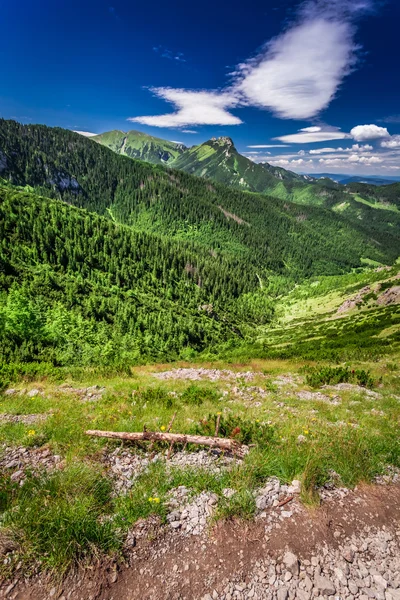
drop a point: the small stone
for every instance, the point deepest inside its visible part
(324, 585)
(33, 393)
(380, 581)
(353, 587)
(282, 594)
(340, 575)
(301, 439)
(295, 487)
(348, 555)
(291, 562)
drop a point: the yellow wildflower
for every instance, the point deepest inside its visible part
(306, 432)
(31, 432)
(156, 500)
(150, 499)
(162, 427)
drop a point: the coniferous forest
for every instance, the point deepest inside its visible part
(105, 259)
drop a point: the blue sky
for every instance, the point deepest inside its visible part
(323, 72)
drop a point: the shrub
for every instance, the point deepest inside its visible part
(156, 395)
(318, 376)
(196, 395)
(242, 430)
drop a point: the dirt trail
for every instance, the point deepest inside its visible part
(349, 548)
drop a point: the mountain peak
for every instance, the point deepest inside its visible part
(223, 141)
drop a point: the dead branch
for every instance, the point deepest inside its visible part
(171, 423)
(176, 438)
(285, 501)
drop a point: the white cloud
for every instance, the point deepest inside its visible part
(86, 133)
(311, 129)
(358, 148)
(280, 162)
(295, 76)
(350, 161)
(303, 137)
(367, 160)
(301, 153)
(394, 142)
(269, 146)
(323, 150)
(299, 72)
(363, 133)
(188, 131)
(193, 108)
(354, 148)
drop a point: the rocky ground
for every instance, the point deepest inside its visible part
(348, 548)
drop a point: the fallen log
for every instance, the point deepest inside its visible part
(176, 438)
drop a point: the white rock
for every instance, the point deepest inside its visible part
(324, 585)
(291, 562)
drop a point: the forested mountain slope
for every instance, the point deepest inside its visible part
(272, 235)
(218, 160)
(137, 144)
(77, 288)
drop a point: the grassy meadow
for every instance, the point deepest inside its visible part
(71, 513)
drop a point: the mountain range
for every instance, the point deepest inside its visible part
(218, 159)
(105, 258)
(346, 178)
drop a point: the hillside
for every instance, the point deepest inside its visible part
(136, 144)
(77, 288)
(218, 160)
(273, 236)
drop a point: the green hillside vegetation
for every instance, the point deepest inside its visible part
(136, 144)
(75, 288)
(108, 264)
(277, 237)
(135, 262)
(218, 160)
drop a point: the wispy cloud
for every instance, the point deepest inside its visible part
(193, 108)
(269, 146)
(390, 119)
(295, 76)
(113, 12)
(311, 135)
(169, 54)
(188, 131)
(298, 73)
(85, 133)
(354, 148)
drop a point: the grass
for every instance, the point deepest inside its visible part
(71, 516)
(56, 518)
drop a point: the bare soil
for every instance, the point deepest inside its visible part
(163, 564)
